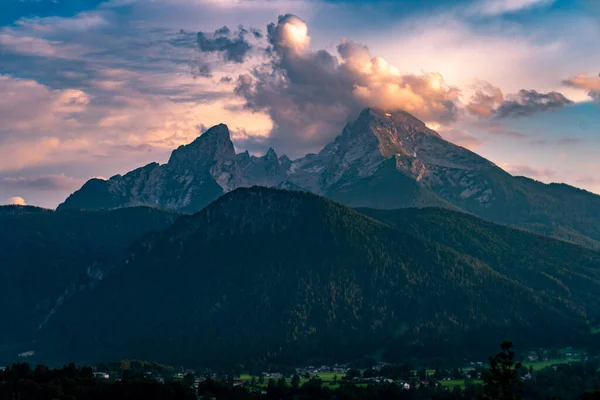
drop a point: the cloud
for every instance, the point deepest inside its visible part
(491, 8)
(46, 183)
(529, 102)
(19, 201)
(310, 94)
(461, 137)
(524, 170)
(10, 42)
(27, 105)
(84, 21)
(589, 180)
(232, 45)
(569, 141)
(112, 131)
(589, 83)
(489, 102)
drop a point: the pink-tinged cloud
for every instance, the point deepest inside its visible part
(43, 127)
(461, 137)
(591, 84)
(309, 94)
(532, 172)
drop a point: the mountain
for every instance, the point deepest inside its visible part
(265, 275)
(49, 255)
(382, 160)
(558, 268)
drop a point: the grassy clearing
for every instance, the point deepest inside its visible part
(328, 379)
(537, 365)
(460, 382)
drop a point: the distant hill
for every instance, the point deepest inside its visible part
(270, 275)
(45, 254)
(565, 272)
(381, 160)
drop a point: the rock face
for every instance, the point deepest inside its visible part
(382, 160)
(203, 170)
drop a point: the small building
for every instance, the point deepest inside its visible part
(101, 375)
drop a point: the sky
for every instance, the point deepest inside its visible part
(92, 88)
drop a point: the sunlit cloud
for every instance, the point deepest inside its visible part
(591, 84)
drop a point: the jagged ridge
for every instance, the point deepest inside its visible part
(382, 160)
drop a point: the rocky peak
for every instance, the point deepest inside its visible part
(271, 156)
(213, 145)
(396, 132)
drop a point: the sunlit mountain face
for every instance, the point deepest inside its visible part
(98, 88)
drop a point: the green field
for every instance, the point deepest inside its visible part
(537, 365)
(326, 377)
(459, 382)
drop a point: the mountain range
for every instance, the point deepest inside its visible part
(381, 160)
(390, 242)
(267, 275)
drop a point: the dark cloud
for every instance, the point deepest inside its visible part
(257, 33)
(232, 45)
(245, 141)
(201, 70)
(529, 102)
(309, 95)
(48, 182)
(489, 102)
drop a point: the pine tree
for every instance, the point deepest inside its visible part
(502, 381)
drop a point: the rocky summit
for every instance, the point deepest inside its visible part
(384, 160)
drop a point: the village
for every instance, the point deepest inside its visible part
(332, 376)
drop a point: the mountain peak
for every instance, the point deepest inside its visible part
(271, 155)
(402, 120)
(212, 144)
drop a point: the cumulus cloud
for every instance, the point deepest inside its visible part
(18, 201)
(489, 101)
(310, 94)
(232, 45)
(589, 83)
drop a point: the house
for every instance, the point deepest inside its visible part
(101, 375)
